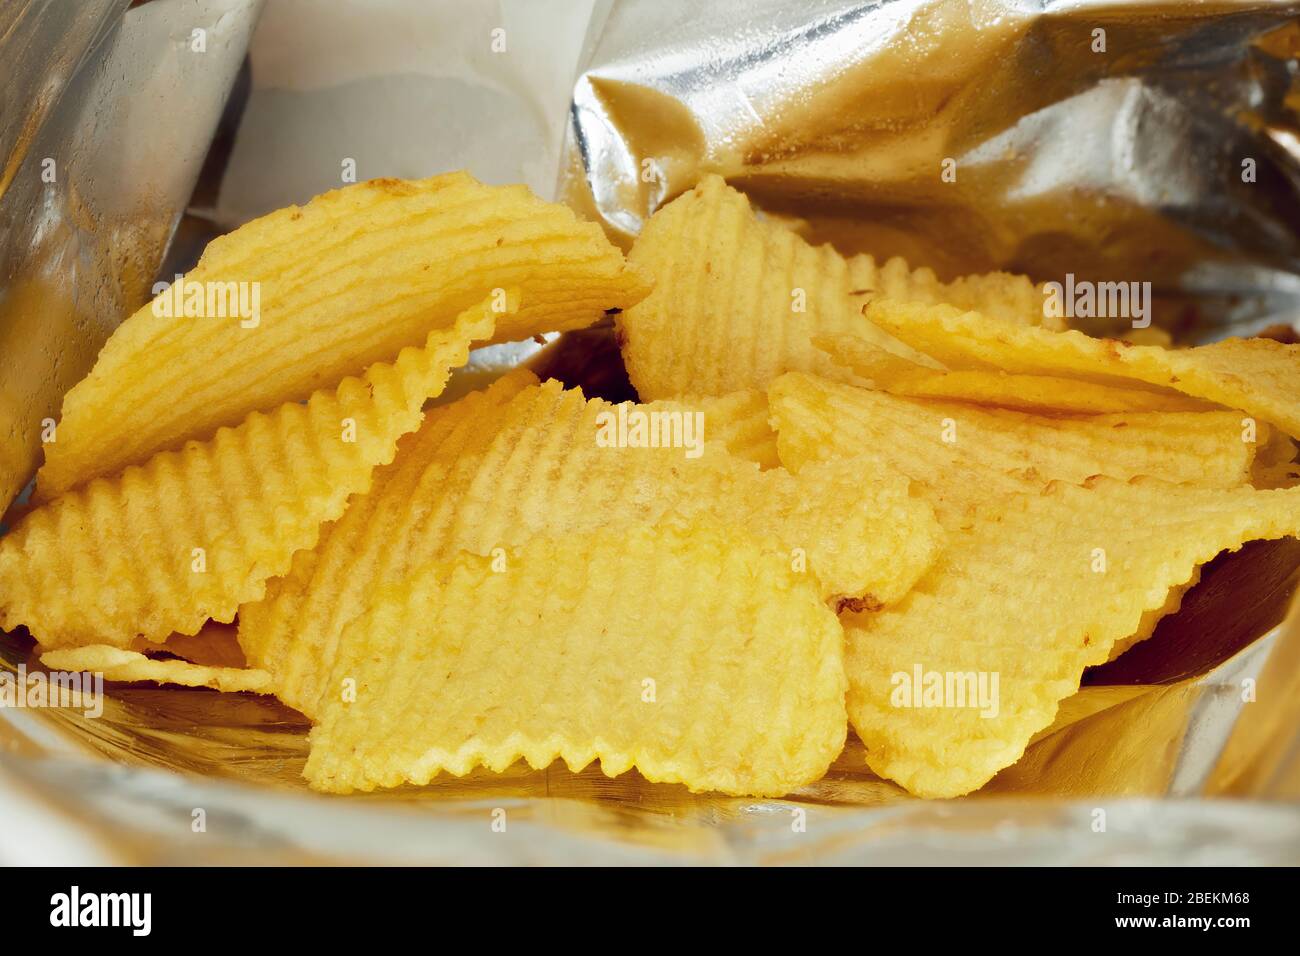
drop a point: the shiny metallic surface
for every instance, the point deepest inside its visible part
(1104, 141)
(104, 129)
(1122, 163)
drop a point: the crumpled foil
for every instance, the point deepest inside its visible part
(1112, 156)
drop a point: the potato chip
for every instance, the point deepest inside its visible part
(999, 295)
(1147, 626)
(292, 629)
(948, 686)
(962, 453)
(192, 534)
(739, 420)
(694, 654)
(737, 299)
(338, 284)
(492, 471)
(1032, 393)
(1258, 376)
(117, 664)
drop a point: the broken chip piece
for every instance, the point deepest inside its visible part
(119, 664)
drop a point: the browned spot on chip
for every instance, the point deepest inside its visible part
(857, 605)
(398, 187)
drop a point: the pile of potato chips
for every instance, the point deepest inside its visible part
(851, 495)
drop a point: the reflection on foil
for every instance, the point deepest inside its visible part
(1147, 142)
(112, 114)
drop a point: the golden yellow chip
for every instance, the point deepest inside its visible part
(494, 470)
(999, 295)
(1258, 376)
(948, 686)
(291, 631)
(192, 534)
(330, 288)
(737, 300)
(739, 420)
(117, 664)
(693, 654)
(1033, 393)
(1147, 626)
(961, 453)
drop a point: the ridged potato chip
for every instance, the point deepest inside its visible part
(496, 469)
(1261, 377)
(737, 299)
(739, 420)
(194, 533)
(117, 664)
(948, 686)
(1147, 626)
(1031, 393)
(693, 654)
(999, 295)
(343, 282)
(961, 453)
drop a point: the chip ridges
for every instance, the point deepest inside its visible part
(1036, 393)
(345, 281)
(328, 585)
(116, 561)
(1258, 376)
(495, 471)
(1000, 295)
(737, 300)
(1034, 552)
(744, 660)
(995, 449)
(740, 421)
